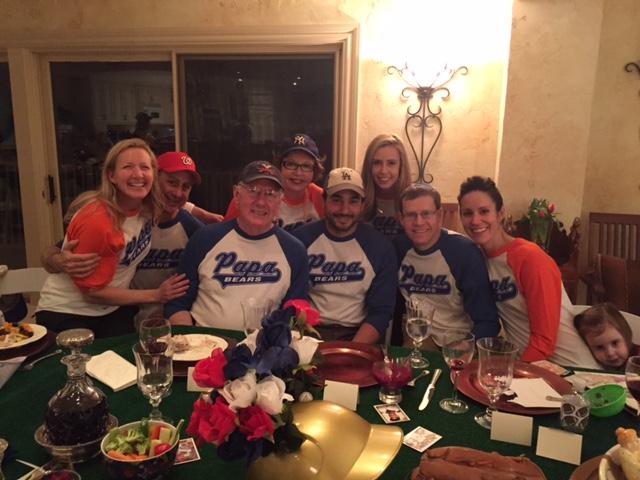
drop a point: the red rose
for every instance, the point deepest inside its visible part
(209, 371)
(302, 306)
(552, 207)
(255, 423)
(540, 213)
(212, 422)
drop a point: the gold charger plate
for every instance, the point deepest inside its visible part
(341, 445)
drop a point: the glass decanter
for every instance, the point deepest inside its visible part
(78, 412)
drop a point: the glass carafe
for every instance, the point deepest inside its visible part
(78, 412)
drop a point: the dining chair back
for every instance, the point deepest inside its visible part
(23, 280)
(618, 282)
(451, 217)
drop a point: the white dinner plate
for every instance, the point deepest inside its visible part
(200, 346)
(38, 332)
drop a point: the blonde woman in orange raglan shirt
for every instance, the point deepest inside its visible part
(535, 310)
(114, 222)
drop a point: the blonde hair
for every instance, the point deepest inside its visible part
(370, 188)
(107, 192)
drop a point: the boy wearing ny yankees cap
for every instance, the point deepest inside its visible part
(352, 267)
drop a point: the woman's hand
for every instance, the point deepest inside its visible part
(173, 287)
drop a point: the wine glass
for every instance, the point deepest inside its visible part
(457, 350)
(155, 334)
(392, 374)
(155, 376)
(254, 310)
(496, 357)
(632, 376)
(419, 316)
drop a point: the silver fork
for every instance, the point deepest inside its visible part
(412, 382)
(30, 365)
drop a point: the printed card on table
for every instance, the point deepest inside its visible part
(391, 413)
(187, 451)
(420, 439)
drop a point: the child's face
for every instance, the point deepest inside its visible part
(609, 347)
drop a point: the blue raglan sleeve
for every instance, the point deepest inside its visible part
(401, 245)
(190, 223)
(381, 297)
(197, 248)
(469, 268)
(296, 254)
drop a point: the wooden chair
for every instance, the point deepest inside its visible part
(618, 282)
(611, 234)
(451, 217)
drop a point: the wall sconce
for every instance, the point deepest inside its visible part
(424, 117)
(631, 66)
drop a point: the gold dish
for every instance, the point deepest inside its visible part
(341, 445)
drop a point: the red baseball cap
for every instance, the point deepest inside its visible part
(172, 162)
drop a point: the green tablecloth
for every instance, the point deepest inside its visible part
(24, 397)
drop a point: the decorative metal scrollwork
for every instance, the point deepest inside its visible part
(424, 116)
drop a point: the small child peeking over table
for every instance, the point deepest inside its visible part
(607, 334)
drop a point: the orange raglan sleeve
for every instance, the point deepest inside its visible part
(93, 227)
(316, 199)
(540, 282)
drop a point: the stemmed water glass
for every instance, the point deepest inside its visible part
(632, 377)
(155, 376)
(457, 350)
(254, 310)
(155, 334)
(496, 357)
(419, 316)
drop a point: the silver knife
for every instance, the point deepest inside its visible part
(430, 389)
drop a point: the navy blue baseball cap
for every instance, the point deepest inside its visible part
(261, 170)
(303, 142)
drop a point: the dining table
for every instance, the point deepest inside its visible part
(23, 400)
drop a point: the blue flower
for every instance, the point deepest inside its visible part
(278, 361)
(239, 360)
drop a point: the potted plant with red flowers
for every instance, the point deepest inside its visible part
(541, 216)
(247, 412)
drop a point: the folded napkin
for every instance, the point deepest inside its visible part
(8, 368)
(112, 370)
(532, 393)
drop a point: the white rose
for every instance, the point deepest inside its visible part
(241, 392)
(270, 394)
(250, 341)
(305, 347)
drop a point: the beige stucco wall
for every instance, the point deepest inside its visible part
(540, 126)
(612, 182)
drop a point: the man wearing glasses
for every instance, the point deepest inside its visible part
(352, 266)
(246, 257)
(300, 165)
(443, 265)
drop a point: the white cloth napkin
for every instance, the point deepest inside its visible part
(532, 393)
(112, 370)
(8, 368)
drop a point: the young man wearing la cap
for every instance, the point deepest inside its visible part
(300, 165)
(353, 271)
(246, 257)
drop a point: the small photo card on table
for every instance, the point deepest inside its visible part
(187, 451)
(420, 439)
(391, 413)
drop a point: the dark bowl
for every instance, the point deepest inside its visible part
(152, 468)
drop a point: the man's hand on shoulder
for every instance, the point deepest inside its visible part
(78, 265)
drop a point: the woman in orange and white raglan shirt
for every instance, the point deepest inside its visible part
(534, 308)
(114, 222)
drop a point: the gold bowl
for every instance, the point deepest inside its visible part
(340, 444)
